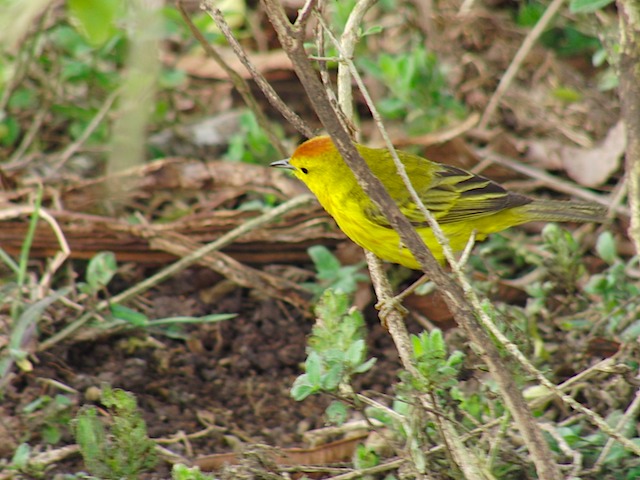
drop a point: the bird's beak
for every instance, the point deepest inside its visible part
(282, 164)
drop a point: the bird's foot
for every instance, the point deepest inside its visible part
(385, 307)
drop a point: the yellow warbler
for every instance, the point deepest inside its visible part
(461, 202)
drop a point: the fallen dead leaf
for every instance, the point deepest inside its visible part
(590, 167)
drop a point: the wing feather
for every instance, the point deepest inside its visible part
(454, 195)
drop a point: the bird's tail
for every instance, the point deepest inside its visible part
(564, 211)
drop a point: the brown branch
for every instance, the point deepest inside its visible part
(629, 73)
(452, 292)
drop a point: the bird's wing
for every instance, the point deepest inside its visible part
(454, 195)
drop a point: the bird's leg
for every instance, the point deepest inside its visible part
(385, 307)
(395, 303)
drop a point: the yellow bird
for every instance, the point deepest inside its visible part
(461, 202)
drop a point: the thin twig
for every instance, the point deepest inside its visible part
(304, 14)
(522, 53)
(348, 42)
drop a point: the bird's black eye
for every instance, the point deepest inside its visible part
(304, 170)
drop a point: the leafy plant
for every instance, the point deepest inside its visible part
(53, 415)
(437, 369)
(418, 90)
(120, 450)
(620, 293)
(565, 265)
(332, 274)
(336, 349)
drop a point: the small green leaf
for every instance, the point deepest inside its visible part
(313, 367)
(606, 248)
(365, 457)
(355, 352)
(95, 19)
(302, 388)
(323, 259)
(336, 413)
(51, 434)
(128, 315)
(38, 403)
(373, 30)
(567, 94)
(21, 456)
(101, 269)
(332, 378)
(9, 131)
(213, 318)
(587, 6)
(366, 366)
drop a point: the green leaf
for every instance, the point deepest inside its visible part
(51, 434)
(302, 388)
(92, 440)
(332, 378)
(38, 403)
(101, 269)
(355, 353)
(30, 318)
(213, 318)
(373, 30)
(23, 98)
(606, 248)
(9, 131)
(95, 19)
(21, 456)
(336, 412)
(323, 259)
(365, 457)
(128, 315)
(366, 366)
(313, 367)
(587, 6)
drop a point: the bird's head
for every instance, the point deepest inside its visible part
(316, 162)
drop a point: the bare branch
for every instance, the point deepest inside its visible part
(629, 12)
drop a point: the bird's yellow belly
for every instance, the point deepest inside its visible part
(387, 245)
